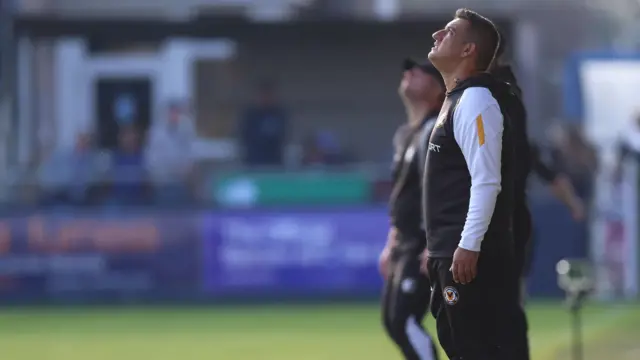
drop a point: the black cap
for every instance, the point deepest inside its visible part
(426, 67)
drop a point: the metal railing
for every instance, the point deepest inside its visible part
(208, 185)
(130, 185)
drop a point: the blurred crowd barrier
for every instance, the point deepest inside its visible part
(74, 183)
(94, 255)
(190, 255)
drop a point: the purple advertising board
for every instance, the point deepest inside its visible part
(294, 253)
(84, 255)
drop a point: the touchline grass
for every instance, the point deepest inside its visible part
(284, 332)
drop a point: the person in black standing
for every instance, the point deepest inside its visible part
(468, 197)
(263, 129)
(530, 162)
(407, 292)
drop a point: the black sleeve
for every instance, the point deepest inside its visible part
(545, 171)
(400, 139)
(423, 144)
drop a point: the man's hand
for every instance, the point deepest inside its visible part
(578, 210)
(424, 262)
(564, 191)
(465, 266)
(383, 262)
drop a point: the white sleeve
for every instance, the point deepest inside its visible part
(478, 127)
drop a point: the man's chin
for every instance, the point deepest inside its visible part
(433, 58)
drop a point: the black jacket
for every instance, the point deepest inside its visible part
(447, 181)
(405, 202)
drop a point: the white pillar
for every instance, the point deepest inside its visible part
(70, 90)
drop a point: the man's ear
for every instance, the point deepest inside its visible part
(469, 48)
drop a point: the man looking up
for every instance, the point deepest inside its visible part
(407, 292)
(468, 197)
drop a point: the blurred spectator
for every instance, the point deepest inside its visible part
(128, 178)
(628, 146)
(575, 156)
(263, 129)
(169, 157)
(322, 148)
(66, 176)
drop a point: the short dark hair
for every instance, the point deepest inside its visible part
(484, 34)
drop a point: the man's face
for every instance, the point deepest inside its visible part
(413, 84)
(450, 45)
(417, 85)
(83, 142)
(129, 140)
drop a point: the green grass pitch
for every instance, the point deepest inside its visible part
(274, 333)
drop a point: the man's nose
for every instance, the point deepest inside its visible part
(437, 35)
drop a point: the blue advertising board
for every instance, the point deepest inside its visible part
(294, 253)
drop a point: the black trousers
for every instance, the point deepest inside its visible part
(521, 332)
(523, 233)
(405, 302)
(474, 321)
